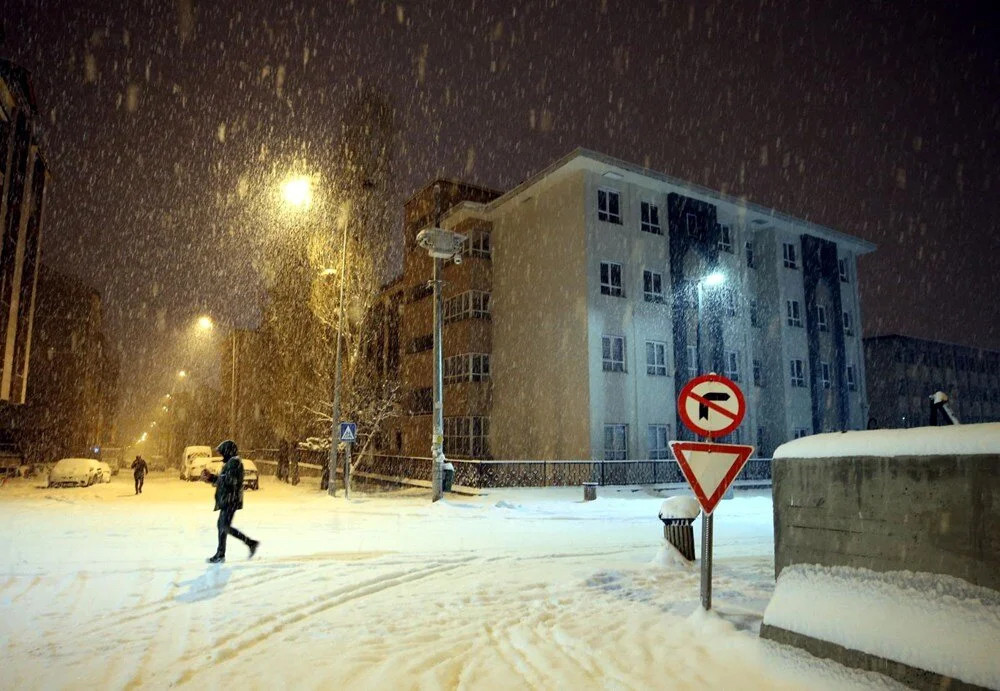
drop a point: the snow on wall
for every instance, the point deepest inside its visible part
(953, 440)
(933, 622)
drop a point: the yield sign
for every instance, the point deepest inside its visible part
(710, 468)
(711, 406)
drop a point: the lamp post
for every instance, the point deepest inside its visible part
(716, 278)
(440, 244)
(297, 191)
(205, 323)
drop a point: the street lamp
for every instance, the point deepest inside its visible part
(440, 244)
(205, 323)
(297, 192)
(716, 278)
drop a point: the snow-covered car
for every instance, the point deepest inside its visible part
(193, 461)
(78, 472)
(251, 476)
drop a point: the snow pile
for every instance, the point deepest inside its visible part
(953, 440)
(929, 621)
(669, 557)
(681, 506)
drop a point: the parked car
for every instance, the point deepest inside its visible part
(79, 472)
(251, 476)
(193, 461)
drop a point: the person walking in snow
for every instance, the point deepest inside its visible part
(229, 500)
(139, 470)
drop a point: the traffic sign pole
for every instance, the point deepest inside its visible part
(347, 471)
(710, 406)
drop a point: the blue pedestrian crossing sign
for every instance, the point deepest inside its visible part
(348, 431)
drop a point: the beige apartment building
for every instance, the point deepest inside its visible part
(572, 321)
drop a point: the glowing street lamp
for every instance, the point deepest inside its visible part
(297, 191)
(205, 323)
(180, 375)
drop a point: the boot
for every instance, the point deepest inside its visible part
(216, 559)
(253, 545)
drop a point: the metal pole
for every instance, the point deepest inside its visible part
(698, 368)
(232, 406)
(335, 415)
(437, 438)
(347, 471)
(706, 561)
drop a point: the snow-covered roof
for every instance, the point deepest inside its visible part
(953, 440)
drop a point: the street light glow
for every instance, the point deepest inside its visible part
(297, 191)
(715, 278)
(180, 375)
(205, 323)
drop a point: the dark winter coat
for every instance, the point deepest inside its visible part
(139, 467)
(229, 485)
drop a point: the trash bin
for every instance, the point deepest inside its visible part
(447, 476)
(589, 491)
(678, 514)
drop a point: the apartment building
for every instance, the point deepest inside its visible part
(906, 371)
(572, 322)
(23, 178)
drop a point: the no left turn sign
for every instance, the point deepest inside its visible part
(711, 406)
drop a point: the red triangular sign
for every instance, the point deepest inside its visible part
(710, 468)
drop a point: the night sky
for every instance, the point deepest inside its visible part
(166, 125)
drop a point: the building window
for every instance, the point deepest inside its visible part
(650, 218)
(472, 304)
(692, 358)
(652, 286)
(750, 259)
(725, 239)
(611, 279)
(788, 252)
(758, 373)
(477, 244)
(848, 324)
(657, 437)
(754, 314)
(824, 368)
(730, 303)
(609, 206)
(421, 343)
(792, 314)
(821, 318)
(733, 365)
(615, 442)
(799, 432)
(467, 436)
(852, 382)
(613, 353)
(842, 265)
(760, 441)
(656, 358)
(798, 373)
(466, 367)
(691, 225)
(422, 401)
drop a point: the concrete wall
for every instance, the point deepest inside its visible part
(937, 514)
(539, 311)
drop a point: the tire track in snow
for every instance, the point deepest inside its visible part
(233, 646)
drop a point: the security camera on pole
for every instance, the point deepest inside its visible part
(441, 244)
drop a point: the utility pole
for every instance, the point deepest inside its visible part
(335, 414)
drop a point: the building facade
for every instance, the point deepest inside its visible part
(906, 371)
(23, 179)
(573, 320)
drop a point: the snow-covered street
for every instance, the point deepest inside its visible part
(521, 588)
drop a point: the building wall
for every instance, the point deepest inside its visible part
(23, 179)
(540, 326)
(906, 371)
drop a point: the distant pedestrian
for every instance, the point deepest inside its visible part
(283, 460)
(229, 499)
(139, 470)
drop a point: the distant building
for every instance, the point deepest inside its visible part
(906, 371)
(73, 395)
(571, 324)
(23, 179)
